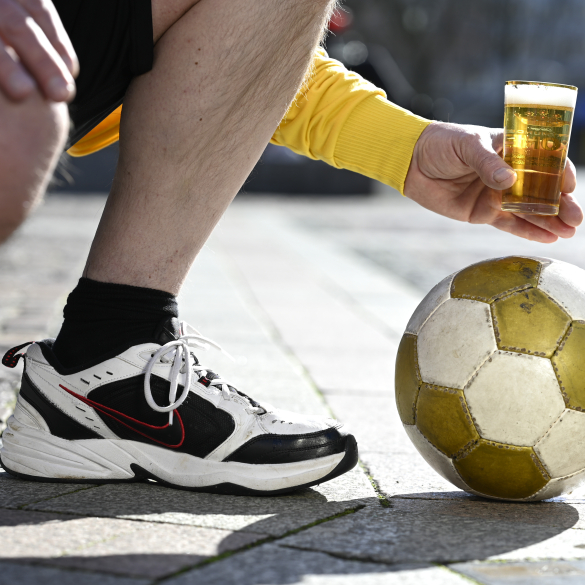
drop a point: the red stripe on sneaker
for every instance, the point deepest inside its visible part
(107, 411)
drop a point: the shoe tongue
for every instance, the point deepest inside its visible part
(168, 330)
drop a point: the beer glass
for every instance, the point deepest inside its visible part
(537, 126)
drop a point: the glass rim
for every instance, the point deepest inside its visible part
(519, 82)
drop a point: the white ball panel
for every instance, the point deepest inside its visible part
(514, 398)
(437, 460)
(559, 486)
(562, 449)
(455, 340)
(436, 297)
(565, 283)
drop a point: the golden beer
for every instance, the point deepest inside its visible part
(537, 126)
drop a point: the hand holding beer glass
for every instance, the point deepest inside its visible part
(537, 126)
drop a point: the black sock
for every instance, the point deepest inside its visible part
(106, 319)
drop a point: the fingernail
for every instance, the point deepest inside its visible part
(60, 89)
(20, 82)
(502, 175)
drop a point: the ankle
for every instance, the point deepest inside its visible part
(101, 318)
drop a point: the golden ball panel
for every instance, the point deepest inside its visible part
(502, 471)
(406, 378)
(569, 364)
(489, 280)
(530, 322)
(437, 460)
(443, 418)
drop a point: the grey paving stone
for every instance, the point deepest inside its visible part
(17, 492)
(397, 535)
(274, 516)
(38, 535)
(275, 565)
(408, 475)
(333, 369)
(14, 573)
(156, 552)
(528, 573)
(108, 545)
(550, 514)
(374, 420)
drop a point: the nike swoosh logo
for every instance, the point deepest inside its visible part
(115, 413)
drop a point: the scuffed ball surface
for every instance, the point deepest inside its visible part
(490, 378)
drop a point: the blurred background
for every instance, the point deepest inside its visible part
(443, 59)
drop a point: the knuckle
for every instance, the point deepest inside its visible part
(36, 8)
(471, 140)
(15, 23)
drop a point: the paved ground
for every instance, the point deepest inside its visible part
(312, 297)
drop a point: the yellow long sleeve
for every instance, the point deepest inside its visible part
(337, 117)
(348, 122)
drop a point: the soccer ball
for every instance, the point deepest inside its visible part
(490, 378)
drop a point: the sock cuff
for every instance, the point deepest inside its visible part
(94, 295)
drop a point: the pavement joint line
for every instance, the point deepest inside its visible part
(279, 341)
(65, 568)
(23, 506)
(455, 572)
(269, 539)
(338, 291)
(272, 330)
(149, 521)
(384, 501)
(347, 299)
(342, 556)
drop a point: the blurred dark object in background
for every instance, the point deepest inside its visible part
(282, 171)
(457, 54)
(86, 174)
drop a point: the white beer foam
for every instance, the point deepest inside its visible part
(540, 94)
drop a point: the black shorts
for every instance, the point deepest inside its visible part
(113, 41)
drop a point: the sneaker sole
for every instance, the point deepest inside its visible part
(36, 455)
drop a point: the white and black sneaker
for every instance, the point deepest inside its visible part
(105, 423)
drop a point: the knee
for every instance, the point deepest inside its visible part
(36, 127)
(33, 135)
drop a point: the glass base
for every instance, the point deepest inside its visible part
(531, 208)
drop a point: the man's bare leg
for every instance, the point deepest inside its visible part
(193, 128)
(33, 135)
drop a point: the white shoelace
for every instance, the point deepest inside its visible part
(183, 362)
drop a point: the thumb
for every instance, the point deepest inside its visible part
(490, 167)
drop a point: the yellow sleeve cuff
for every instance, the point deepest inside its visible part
(378, 139)
(105, 133)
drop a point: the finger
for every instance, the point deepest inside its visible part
(553, 224)
(479, 154)
(15, 83)
(497, 136)
(518, 226)
(45, 15)
(569, 178)
(570, 211)
(36, 53)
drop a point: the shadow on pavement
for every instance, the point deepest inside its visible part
(180, 529)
